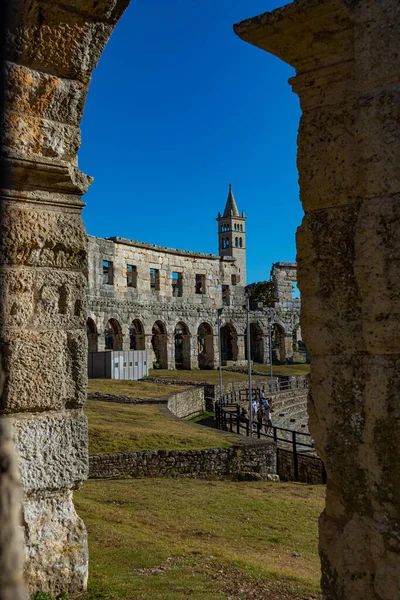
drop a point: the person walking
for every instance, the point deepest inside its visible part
(260, 415)
(254, 409)
(268, 419)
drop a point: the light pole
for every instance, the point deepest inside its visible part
(249, 366)
(270, 352)
(219, 311)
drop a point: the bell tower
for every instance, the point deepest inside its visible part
(232, 235)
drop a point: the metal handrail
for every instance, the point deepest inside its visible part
(235, 396)
(230, 421)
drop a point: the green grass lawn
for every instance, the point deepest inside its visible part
(207, 376)
(137, 389)
(127, 428)
(147, 389)
(298, 369)
(166, 539)
(228, 376)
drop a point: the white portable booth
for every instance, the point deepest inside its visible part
(118, 364)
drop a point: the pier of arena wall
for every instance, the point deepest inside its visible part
(52, 49)
(346, 57)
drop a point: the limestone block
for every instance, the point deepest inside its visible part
(331, 303)
(377, 270)
(12, 585)
(378, 142)
(46, 370)
(52, 449)
(341, 550)
(42, 238)
(33, 135)
(354, 411)
(56, 550)
(50, 38)
(376, 45)
(43, 299)
(331, 171)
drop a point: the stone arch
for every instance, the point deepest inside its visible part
(92, 335)
(278, 344)
(159, 342)
(229, 343)
(113, 335)
(205, 346)
(136, 335)
(256, 344)
(182, 346)
(296, 336)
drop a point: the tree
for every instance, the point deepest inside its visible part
(263, 291)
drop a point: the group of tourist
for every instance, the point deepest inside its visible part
(261, 413)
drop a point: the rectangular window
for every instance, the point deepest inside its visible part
(131, 276)
(234, 279)
(225, 294)
(108, 272)
(295, 291)
(154, 279)
(200, 284)
(177, 284)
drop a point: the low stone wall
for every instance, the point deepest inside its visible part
(248, 458)
(173, 382)
(310, 469)
(188, 403)
(124, 399)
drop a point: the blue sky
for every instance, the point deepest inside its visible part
(178, 108)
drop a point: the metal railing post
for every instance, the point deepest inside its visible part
(295, 461)
(237, 418)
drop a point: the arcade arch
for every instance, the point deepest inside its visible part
(113, 335)
(92, 335)
(278, 344)
(205, 346)
(229, 343)
(182, 346)
(159, 345)
(136, 336)
(256, 344)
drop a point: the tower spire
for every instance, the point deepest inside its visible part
(231, 208)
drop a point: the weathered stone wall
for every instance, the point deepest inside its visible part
(12, 586)
(346, 56)
(187, 403)
(283, 276)
(122, 252)
(255, 457)
(121, 399)
(125, 304)
(310, 469)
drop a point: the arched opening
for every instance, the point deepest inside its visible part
(182, 346)
(113, 335)
(229, 347)
(205, 347)
(299, 347)
(159, 344)
(136, 336)
(91, 332)
(256, 344)
(278, 344)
